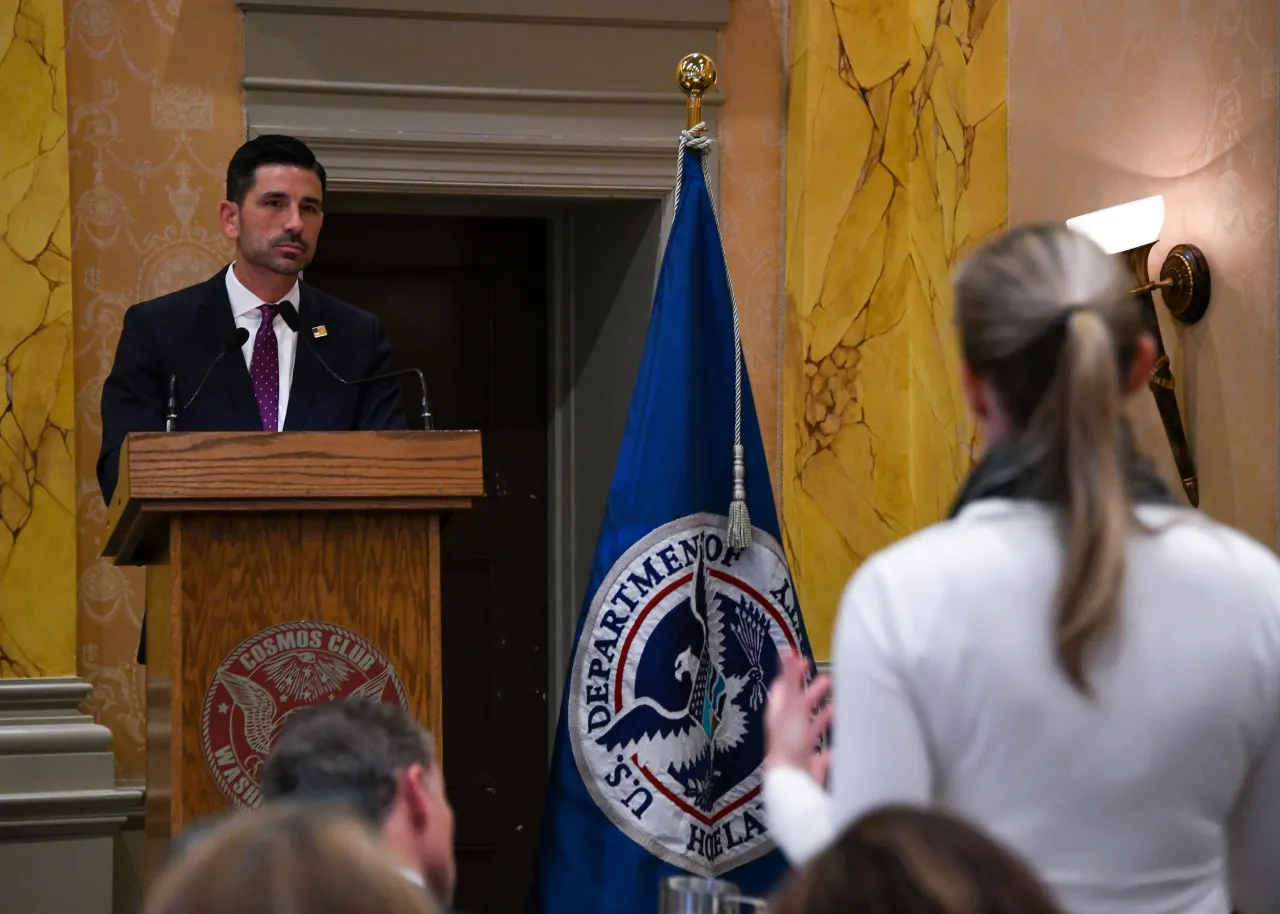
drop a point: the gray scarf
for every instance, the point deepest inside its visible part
(1011, 470)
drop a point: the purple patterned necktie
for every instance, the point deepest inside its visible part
(264, 369)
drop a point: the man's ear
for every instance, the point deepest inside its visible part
(229, 219)
(413, 789)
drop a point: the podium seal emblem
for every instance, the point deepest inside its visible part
(270, 676)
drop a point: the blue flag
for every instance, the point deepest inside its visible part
(657, 768)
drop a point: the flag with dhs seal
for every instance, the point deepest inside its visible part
(657, 768)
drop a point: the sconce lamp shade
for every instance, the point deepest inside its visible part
(1117, 229)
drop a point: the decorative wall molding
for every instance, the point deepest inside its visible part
(547, 167)
(60, 807)
(68, 813)
(576, 106)
(45, 737)
(39, 716)
(533, 146)
(62, 695)
(659, 14)
(474, 93)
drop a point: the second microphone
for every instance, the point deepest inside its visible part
(294, 322)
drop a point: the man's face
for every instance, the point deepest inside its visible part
(278, 224)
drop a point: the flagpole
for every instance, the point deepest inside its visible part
(696, 76)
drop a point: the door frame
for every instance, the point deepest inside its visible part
(564, 532)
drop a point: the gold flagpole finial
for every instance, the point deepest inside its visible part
(695, 75)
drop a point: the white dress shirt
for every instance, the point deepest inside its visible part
(244, 308)
(947, 692)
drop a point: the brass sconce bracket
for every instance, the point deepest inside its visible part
(1184, 285)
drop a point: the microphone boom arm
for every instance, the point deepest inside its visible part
(422, 387)
(294, 320)
(237, 340)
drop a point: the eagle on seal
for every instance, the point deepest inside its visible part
(262, 720)
(687, 739)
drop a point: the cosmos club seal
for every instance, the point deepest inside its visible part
(666, 701)
(270, 676)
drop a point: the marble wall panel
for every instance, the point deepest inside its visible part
(37, 418)
(896, 165)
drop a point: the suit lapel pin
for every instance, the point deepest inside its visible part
(318, 332)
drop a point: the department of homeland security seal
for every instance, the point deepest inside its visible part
(268, 677)
(669, 680)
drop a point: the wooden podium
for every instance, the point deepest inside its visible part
(242, 531)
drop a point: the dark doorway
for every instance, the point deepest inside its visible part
(466, 300)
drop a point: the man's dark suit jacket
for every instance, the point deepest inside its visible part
(181, 334)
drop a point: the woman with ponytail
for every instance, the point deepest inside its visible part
(1084, 668)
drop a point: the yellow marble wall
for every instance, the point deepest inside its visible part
(896, 164)
(153, 90)
(37, 392)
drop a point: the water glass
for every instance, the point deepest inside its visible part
(695, 895)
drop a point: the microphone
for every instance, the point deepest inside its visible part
(294, 322)
(234, 342)
(171, 407)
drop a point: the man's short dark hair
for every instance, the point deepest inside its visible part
(346, 751)
(268, 149)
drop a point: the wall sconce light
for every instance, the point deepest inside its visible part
(1130, 230)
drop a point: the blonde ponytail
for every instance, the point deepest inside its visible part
(1046, 318)
(1090, 415)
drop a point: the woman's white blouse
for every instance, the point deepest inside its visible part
(948, 692)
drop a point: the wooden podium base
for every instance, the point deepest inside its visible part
(258, 606)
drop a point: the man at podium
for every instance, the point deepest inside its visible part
(170, 369)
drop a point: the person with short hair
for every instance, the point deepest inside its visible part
(272, 215)
(1074, 661)
(382, 763)
(229, 336)
(911, 861)
(287, 860)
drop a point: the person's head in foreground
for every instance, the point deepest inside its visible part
(1053, 342)
(377, 758)
(282, 860)
(899, 860)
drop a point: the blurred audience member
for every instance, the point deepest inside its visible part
(378, 759)
(287, 860)
(906, 861)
